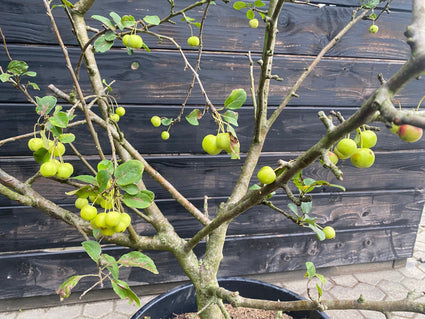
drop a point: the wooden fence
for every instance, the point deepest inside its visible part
(376, 219)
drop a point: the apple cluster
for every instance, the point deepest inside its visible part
(156, 122)
(51, 166)
(215, 144)
(119, 111)
(110, 221)
(358, 150)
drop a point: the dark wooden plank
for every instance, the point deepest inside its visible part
(215, 175)
(303, 30)
(25, 228)
(297, 129)
(41, 273)
(334, 82)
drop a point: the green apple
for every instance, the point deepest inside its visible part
(266, 175)
(65, 170)
(333, 157)
(367, 139)
(156, 120)
(345, 148)
(112, 218)
(253, 23)
(49, 168)
(373, 28)
(223, 141)
(120, 111)
(193, 41)
(88, 212)
(81, 202)
(35, 144)
(363, 158)
(209, 144)
(409, 133)
(329, 232)
(135, 41)
(114, 117)
(165, 135)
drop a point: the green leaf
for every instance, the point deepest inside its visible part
(371, 4)
(68, 4)
(131, 189)
(102, 178)
(4, 77)
(293, 208)
(166, 121)
(138, 259)
(57, 131)
(111, 264)
(320, 234)
(154, 20)
(250, 14)
(41, 155)
(110, 36)
(239, 5)
(64, 290)
(231, 117)
(254, 187)
(306, 207)
(106, 165)
(17, 67)
(93, 249)
(67, 138)
(319, 289)
(117, 19)
(197, 24)
(30, 73)
(122, 289)
(102, 44)
(45, 104)
(321, 278)
(236, 99)
(259, 3)
(85, 178)
(59, 119)
(311, 270)
(34, 85)
(128, 21)
(105, 21)
(141, 200)
(194, 116)
(129, 172)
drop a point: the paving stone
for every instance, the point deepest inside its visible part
(68, 312)
(122, 306)
(115, 316)
(369, 292)
(412, 271)
(344, 280)
(8, 315)
(97, 310)
(413, 284)
(372, 314)
(374, 277)
(345, 314)
(31, 314)
(393, 290)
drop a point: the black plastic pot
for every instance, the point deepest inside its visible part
(182, 299)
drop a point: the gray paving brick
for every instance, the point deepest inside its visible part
(31, 314)
(68, 312)
(97, 310)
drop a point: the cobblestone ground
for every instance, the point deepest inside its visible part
(387, 284)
